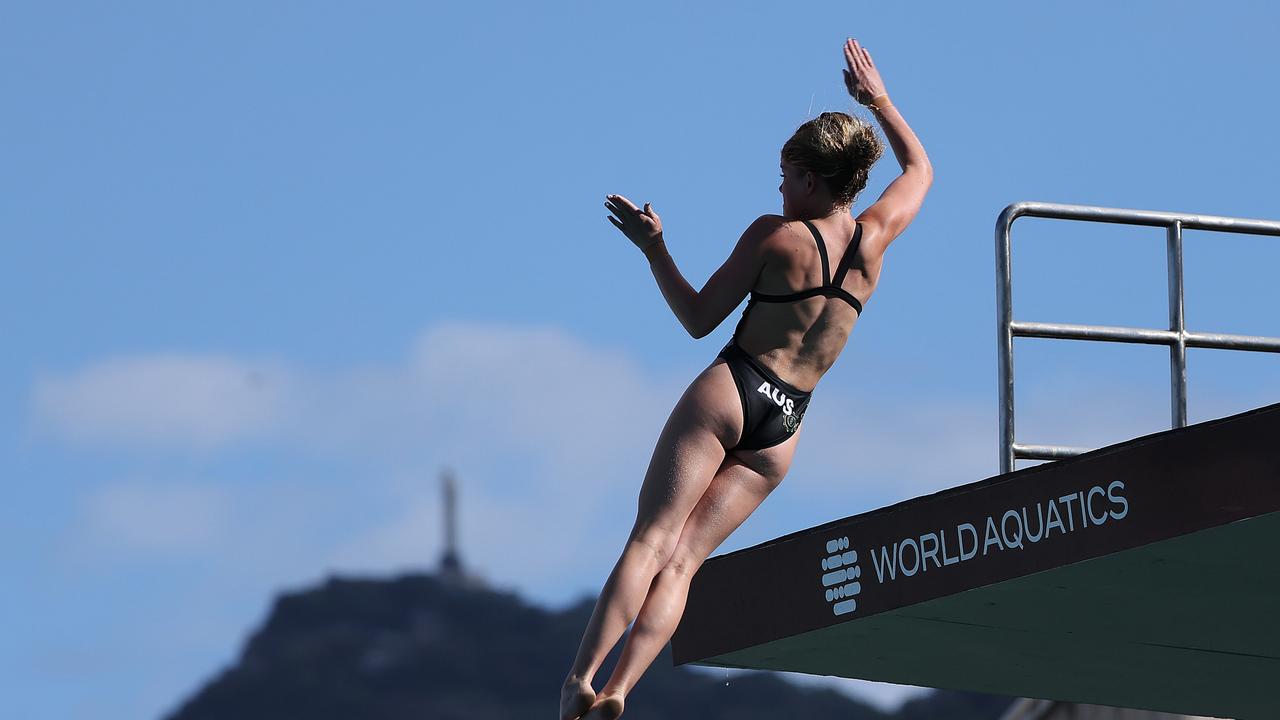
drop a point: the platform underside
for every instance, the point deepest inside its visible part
(1149, 628)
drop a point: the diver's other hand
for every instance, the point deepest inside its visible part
(861, 76)
(642, 227)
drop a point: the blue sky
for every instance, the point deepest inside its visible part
(269, 267)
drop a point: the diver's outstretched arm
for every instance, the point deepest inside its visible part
(899, 203)
(699, 311)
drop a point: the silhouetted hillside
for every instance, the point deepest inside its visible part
(422, 648)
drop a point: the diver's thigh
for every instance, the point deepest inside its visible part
(733, 494)
(689, 451)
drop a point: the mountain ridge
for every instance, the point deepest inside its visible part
(421, 645)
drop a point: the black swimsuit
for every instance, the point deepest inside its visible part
(771, 407)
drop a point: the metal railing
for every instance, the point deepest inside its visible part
(1177, 337)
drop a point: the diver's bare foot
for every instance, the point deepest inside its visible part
(575, 698)
(606, 707)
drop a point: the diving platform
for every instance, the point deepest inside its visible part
(1143, 575)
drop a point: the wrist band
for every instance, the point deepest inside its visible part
(877, 103)
(654, 248)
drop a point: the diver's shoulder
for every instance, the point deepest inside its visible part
(765, 233)
(770, 222)
(773, 229)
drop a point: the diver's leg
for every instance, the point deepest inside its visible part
(688, 454)
(733, 495)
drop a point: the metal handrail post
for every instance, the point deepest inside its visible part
(1004, 334)
(1177, 324)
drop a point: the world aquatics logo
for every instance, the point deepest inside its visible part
(840, 573)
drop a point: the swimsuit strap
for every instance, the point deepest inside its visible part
(822, 250)
(829, 288)
(847, 259)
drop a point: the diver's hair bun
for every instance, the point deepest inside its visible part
(839, 148)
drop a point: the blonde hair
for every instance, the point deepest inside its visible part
(840, 149)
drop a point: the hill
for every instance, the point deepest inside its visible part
(422, 647)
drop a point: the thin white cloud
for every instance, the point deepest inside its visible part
(542, 390)
(518, 389)
(885, 696)
(162, 400)
(155, 519)
(888, 697)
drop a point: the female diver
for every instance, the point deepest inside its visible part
(730, 439)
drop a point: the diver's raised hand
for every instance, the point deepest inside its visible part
(642, 227)
(861, 76)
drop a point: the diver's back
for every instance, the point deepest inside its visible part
(808, 297)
